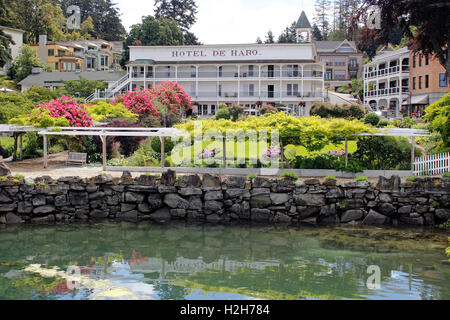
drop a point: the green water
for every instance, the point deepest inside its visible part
(147, 261)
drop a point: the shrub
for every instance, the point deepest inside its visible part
(384, 153)
(103, 111)
(223, 114)
(330, 178)
(155, 143)
(411, 179)
(289, 175)
(328, 110)
(383, 123)
(252, 176)
(362, 178)
(446, 175)
(438, 115)
(267, 109)
(372, 119)
(353, 166)
(125, 145)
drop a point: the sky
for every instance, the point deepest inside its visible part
(229, 21)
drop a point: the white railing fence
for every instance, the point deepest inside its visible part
(432, 164)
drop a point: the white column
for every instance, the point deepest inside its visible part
(281, 83)
(323, 81)
(239, 84)
(217, 87)
(303, 83)
(196, 82)
(259, 81)
(154, 76)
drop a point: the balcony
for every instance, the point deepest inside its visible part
(386, 92)
(386, 72)
(234, 95)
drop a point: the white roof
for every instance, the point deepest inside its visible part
(398, 132)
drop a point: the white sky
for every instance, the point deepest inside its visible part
(229, 21)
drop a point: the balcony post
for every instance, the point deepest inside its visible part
(303, 76)
(259, 81)
(239, 85)
(281, 84)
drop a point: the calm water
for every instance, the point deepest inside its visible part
(125, 261)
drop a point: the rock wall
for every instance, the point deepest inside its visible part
(221, 199)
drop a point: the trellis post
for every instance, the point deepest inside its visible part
(224, 155)
(412, 154)
(346, 153)
(45, 152)
(162, 152)
(103, 138)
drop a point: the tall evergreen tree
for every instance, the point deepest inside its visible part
(153, 32)
(317, 35)
(289, 35)
(184, 12)
(5, 42)
(321, 19)
(269, 37)
(258, 40)
(105, 17)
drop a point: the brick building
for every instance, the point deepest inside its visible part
(428, 82)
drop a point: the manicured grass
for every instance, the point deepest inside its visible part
(257, 149)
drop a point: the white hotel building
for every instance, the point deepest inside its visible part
(386, 82)
(286, 75)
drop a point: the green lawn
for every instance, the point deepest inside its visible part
(254, 152)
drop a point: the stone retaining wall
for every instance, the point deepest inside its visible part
(221, 199)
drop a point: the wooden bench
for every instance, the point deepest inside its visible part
(76, 158)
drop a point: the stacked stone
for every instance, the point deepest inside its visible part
(216, 199)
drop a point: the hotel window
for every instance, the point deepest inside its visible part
(51, 52)
(420, 82)
(352, 62)
(427, 61)
(442, 80)
(329, 74)
(56, 66)
(205, 109)
(251, 70)
(414, 83)
(292, 90)
(414, 60)
(339, 75)
(249, 90)
(168, 71)
(292, 70)
(220, 90)
(149, 72)
(420, 60)
(220, 72)
(427, 81)
(213, 109)
(328, 62)
(353, 74)
(339, 62)
(193, 72)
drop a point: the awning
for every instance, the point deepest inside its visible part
(422, 99)
(64, 48)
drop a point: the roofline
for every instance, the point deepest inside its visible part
(223, 45)
(13, 29)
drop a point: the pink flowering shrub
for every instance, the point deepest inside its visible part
(144, 102)
(76, 114)
(65, 107)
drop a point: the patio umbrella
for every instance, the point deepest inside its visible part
(7, 90)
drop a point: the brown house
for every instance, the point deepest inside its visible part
(343, 62)
(428, 81)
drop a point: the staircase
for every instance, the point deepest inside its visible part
(112, 91)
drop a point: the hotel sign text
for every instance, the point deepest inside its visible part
(215, 53)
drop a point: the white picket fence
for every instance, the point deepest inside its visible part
(432, 164)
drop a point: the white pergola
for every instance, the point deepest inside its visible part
(104, 132)
(17, 132)
(394, 132)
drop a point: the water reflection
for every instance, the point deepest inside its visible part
(125, 261)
